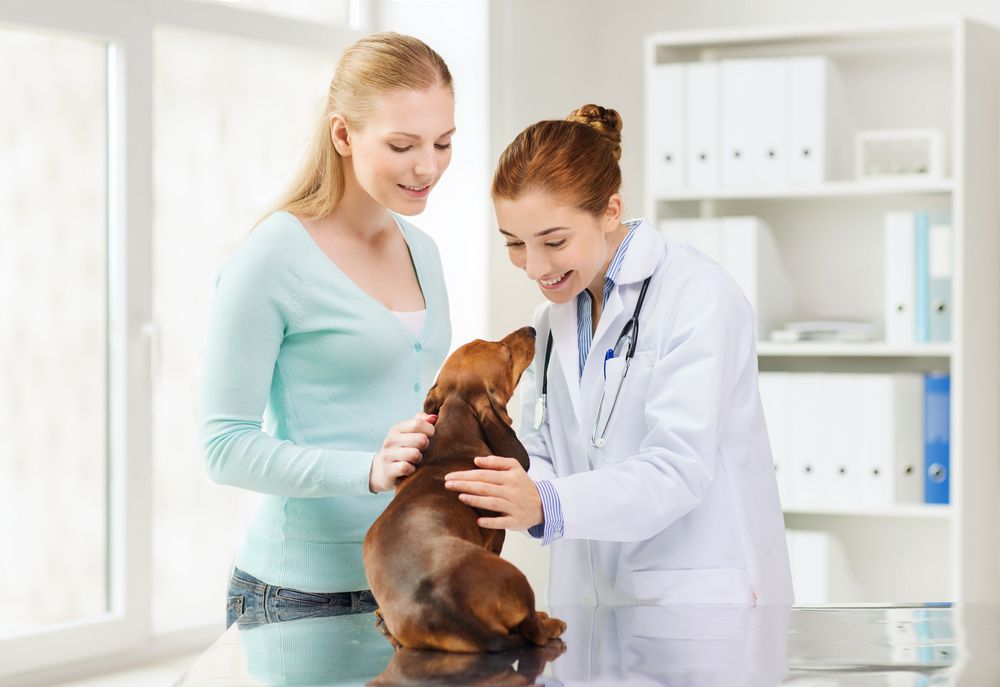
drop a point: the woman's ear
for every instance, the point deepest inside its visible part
(613, 212)
(339, 134)
(433, 401)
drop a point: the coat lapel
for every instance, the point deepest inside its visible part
(563, 319)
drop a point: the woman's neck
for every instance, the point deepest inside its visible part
(358, 213)
(596, 288)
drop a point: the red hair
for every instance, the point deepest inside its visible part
(575, 158)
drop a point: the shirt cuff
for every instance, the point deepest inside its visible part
(551, 528)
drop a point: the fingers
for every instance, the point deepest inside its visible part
(496, 462)
(477, 488)
(486, 503)
(399, 468)
(481, 476)
(494, 472)
(501, 523)
(403, 454)
(420, 423)
(409, 440)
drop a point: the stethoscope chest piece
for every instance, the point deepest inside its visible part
(540, 411)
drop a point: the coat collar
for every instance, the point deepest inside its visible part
(643, 255)
(639, 262)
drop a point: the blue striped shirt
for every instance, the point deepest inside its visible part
(551, 527)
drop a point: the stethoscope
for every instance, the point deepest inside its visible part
(626, 343)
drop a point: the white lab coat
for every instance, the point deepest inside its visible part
(681, 504)
(679, 646)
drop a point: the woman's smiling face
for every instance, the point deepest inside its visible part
(404, 147)
(561, 248)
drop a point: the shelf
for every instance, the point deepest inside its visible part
(831, 189)
(875, 349)
(910, 512)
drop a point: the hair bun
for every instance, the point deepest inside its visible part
(606, 121)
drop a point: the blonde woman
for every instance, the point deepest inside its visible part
(328, 325)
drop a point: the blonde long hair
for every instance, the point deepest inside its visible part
(377, 64)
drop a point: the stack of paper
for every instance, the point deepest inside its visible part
(824, 330)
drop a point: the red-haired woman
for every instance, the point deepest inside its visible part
(651, 472)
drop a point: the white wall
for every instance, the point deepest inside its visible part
(457, 214)
(550, 57)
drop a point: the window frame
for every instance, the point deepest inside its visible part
(128, 27)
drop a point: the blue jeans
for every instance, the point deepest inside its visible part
(252, 602)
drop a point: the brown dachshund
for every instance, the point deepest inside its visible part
(438, 576)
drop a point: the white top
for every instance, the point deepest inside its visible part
(414, 321)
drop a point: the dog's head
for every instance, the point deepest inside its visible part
(484, 374)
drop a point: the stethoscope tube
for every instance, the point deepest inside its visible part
(541, 405)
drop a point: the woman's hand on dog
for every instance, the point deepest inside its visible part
(402, 449)
(502, 486)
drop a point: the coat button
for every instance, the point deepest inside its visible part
(416, 387)
(418, 348)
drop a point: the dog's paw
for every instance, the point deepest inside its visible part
(552, 627)
(381, 626)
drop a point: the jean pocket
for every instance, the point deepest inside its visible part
(234, 609)
(295, 596)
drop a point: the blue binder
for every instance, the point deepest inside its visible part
(937, 437)
(922, 300)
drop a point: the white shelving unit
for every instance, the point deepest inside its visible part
(943, 74)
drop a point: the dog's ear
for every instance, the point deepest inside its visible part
(433, 401)
(500, 436)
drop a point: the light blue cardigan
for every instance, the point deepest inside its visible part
(293, 342)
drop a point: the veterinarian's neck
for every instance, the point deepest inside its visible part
(596, 288)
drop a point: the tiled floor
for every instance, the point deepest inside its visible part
(161, 674)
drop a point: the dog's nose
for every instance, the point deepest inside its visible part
(531, 330)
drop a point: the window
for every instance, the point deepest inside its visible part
(53, 337)
(105, 301)
(232, 118)
(332, 12)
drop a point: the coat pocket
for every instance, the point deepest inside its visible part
(694, 586)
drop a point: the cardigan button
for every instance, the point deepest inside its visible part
(417, 347)
(416, 387)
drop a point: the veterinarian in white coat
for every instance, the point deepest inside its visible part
(663, 492)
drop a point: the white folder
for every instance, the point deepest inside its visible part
(701, 233)
(778, 417)
(809, 451)
(900, 277)
(750, 254)
(665, 129)
(738, 98)
(821, 570)
(701, 115)
(940, 270)
(814, 101)
(747, 249)
(891, 452)
(841, 419)
(769, 114)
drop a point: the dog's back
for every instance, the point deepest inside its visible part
(437, 576)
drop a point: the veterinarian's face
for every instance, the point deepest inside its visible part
(403, 147)
(561, 248)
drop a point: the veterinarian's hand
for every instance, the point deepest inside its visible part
(503, 486)
(402, 449)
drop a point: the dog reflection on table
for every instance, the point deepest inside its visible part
(508, 668)
(438, 576)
